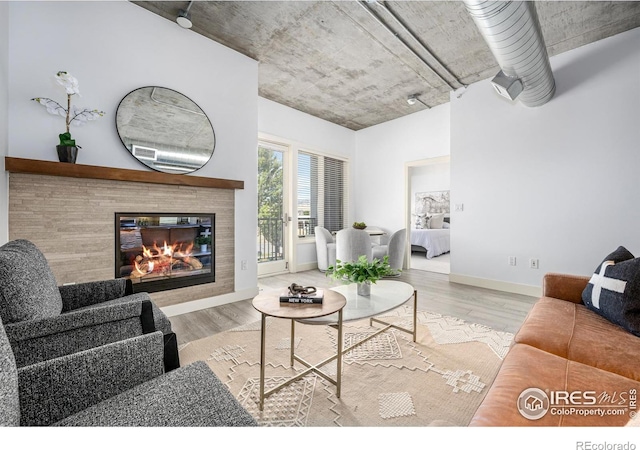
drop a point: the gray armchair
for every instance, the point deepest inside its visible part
(395, 248)
(118, 384)
(351, 244)
(44, 321)
(325, 248)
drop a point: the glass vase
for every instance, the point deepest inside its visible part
(364, 288)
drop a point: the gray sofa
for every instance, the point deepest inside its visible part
(45, 321)
(118, 384)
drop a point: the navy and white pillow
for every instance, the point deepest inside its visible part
(614, 290)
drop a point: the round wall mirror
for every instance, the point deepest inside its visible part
(165, 130)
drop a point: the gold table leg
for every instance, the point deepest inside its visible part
(413, 333)
(310, 367)
(263, 329)
(415, 315)
(339, 358)
(293, 340)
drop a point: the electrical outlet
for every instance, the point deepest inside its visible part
(534, 263)
(512, 260)
(243, 264)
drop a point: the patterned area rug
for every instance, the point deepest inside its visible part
(387, 381)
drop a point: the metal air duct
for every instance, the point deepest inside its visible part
(512, 32)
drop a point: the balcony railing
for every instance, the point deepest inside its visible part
(271, 232)
(306, 226)
(270, 243)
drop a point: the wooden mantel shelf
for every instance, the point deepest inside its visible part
(21, 165)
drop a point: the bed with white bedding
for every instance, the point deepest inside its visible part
(430, 231)
(434, 242)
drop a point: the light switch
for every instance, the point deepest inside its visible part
(458, 207)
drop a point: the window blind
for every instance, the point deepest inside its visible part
(322, 193)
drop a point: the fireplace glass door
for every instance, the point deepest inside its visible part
(165, 251)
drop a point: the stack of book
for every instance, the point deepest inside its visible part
(315, 298)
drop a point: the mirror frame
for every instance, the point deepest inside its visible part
(154, 151)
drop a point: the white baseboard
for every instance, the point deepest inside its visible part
(209, 302)
(298, 268)
(514, 288)
(306, 266)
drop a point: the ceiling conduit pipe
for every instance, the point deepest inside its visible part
(406, 29)
(512, 32)
(377, 18)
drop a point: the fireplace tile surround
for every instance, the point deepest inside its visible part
(71, 220)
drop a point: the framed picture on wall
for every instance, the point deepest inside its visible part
(427, 203)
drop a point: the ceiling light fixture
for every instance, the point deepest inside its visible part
(184, 17)
(412, 99)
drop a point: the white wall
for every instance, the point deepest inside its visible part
(558, 182)
(302, 131)
(113, 48)
(4, 105)
(381, 154)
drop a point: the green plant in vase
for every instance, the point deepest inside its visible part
(203, 242)
(363, 272)
(67, 149)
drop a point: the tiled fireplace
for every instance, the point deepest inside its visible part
(71, 220)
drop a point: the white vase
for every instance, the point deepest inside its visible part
(203, 248)
(364, 289)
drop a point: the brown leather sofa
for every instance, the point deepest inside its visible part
(586, 367)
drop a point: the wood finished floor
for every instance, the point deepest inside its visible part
(500, 310)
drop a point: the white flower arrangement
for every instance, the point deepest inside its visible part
(72, 114)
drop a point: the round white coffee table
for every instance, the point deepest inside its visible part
(386, 295)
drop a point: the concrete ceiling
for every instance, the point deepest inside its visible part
(354, 63)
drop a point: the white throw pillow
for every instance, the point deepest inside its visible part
(436, 221)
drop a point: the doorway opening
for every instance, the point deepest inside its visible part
(428, 217)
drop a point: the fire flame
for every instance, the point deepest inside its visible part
(161, 259)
